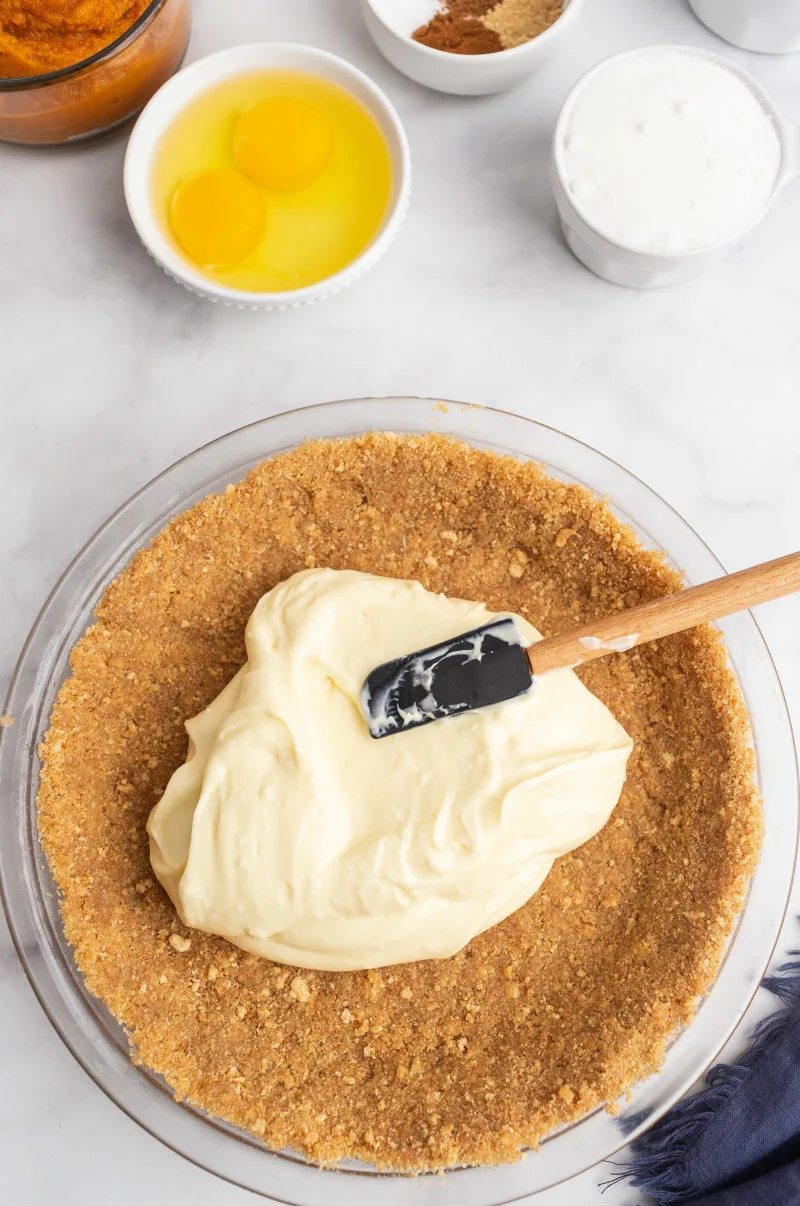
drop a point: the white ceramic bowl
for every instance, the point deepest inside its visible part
(178, 92)
(463, 74)
(771, 26)
(638, 269)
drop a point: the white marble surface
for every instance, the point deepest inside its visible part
(108, 372)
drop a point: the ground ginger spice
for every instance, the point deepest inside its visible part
(518, 21)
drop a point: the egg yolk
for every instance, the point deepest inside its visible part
(283, 144)
(217, 217)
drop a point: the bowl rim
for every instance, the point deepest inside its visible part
(142, 143)
(21, 83)
(762, 95)
(28, 960)
(493, 56)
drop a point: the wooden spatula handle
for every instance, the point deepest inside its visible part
(661, 617)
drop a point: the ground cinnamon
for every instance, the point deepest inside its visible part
(459, 30)
(458, 35)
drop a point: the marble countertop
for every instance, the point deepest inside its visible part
(110, 372)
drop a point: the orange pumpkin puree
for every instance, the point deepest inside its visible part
(37, 36)
(40, 36)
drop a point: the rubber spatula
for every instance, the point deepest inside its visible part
(490, 665)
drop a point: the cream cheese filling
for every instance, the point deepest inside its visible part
(296, 836)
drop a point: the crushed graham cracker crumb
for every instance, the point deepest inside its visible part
(299, 989)
(560, 1008)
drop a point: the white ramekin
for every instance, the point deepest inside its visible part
(770, 26)
(467, 74)
(178, 92)
(638, 269)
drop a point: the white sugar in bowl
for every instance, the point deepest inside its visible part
(663, 159)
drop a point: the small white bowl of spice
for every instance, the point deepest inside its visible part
(469, 47)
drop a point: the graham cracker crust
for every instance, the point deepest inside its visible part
(560, 1008)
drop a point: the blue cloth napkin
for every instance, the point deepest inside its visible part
(737, 1143)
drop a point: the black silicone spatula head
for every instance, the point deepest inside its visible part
(490, 665)
(482, 667)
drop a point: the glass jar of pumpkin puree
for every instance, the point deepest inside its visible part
(44, 100)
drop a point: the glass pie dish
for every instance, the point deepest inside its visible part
(92, 1034)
